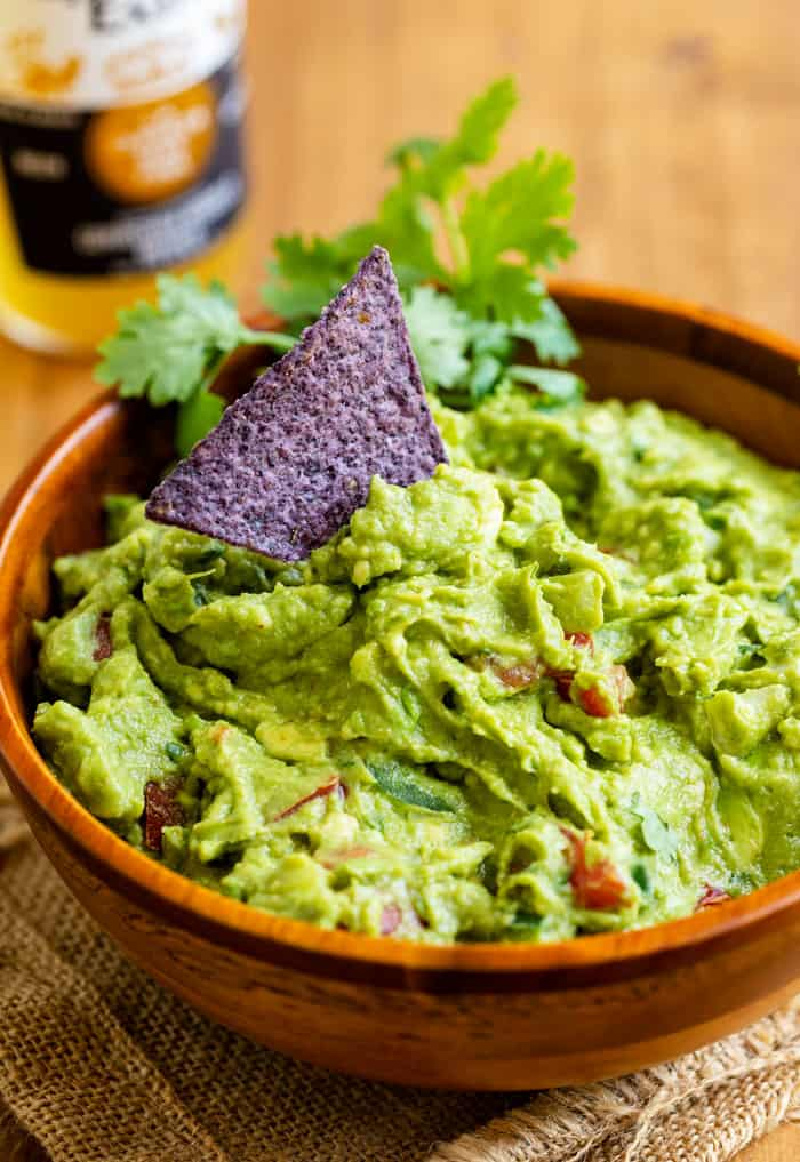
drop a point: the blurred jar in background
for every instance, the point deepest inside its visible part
(120, 155)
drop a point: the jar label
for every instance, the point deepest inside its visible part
(120, 130)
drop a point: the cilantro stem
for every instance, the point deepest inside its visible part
(212, 371)
(455, 240)
(196, 417)
(275, 339)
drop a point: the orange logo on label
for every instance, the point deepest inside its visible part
(37, 76)
(148, 153)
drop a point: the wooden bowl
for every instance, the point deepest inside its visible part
(490, 1016)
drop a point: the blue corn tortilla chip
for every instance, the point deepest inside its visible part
(290, 462)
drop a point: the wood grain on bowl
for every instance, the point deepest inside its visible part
(479, 1016)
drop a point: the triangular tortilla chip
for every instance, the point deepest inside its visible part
(291, 461)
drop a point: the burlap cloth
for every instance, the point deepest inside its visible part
(99, 1064)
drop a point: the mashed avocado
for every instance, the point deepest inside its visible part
(554, 689)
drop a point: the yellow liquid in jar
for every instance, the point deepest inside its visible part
(63, 314)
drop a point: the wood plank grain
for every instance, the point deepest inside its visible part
(682, 119)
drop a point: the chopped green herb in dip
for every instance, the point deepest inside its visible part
(554, 689)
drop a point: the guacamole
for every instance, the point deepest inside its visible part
(554, 689)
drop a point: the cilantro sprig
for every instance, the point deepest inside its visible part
(468, 259)
(171, 351)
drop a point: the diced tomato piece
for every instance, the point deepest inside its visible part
(519, 675)
(516, 675)
(104, 647)
(161, 809)
(582, 640)
(598, 887)
(596, 703)
(391, 919)
(711, 896)
(326, 788)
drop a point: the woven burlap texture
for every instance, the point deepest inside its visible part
(99, 1064)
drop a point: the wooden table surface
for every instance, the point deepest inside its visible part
(682, 119)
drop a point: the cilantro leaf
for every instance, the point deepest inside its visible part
(305, 276)
(405, 226)
(414, 150)
(474, 142)
(654, 831)
(486, 373)
(550, 333)
(558, 388)
(413, 787)
(460, 357)
(439, 334)
(170, 351)
(163, 351)
(515, 213)
(465, 358)
(517, 216)
(166, 351)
